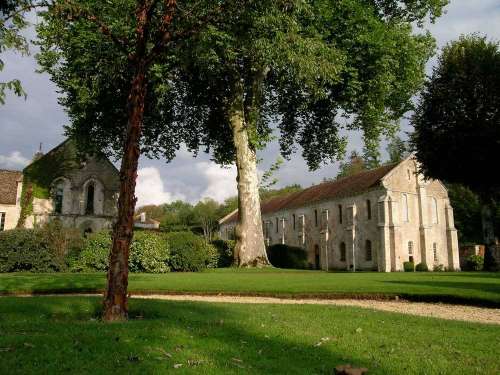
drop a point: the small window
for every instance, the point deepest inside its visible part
(342, 252)
(406, 215)
(315, 218)
(89, 206)
(408, 172)
(368, 209)
(368, 250)
(435, 252)
(293, 219)
(58, 199)
(2, 221)
(340, 213)
(277, 226)
(410, 247)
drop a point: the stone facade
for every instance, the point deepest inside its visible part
(82, 194)
(10, 194)
(375, 220)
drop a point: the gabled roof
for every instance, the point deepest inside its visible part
(344, 187)
(8, 186)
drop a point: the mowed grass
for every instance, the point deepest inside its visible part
(460, 287)
(53, 335)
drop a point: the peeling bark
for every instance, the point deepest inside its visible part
(250, 250)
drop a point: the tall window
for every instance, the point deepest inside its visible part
(293, 219)
(434, 210)
(89, 206)
(368, 209)
(324, 220)
(302, 229)
(2, 221)
(435, 252)
(368, 250)
(406, 216)
(410, 247)
(58, 198)
(277, 226)
(340, 213)
(315, 218)
(342, 252)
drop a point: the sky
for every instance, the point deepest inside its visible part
(25, 123)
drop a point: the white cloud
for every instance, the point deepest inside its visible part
(13, 161)
(220, 181)
(150, 188)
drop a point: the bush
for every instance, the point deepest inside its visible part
(148, 253)
(421, 267)
(190, 252)
(409, 266)
(225, 250)
(27, 250)
(284, 256)
(438, 268)
(475, 262)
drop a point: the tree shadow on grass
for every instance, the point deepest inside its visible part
(61, 334)
(58, 283)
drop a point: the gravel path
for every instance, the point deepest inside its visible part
(434, 310)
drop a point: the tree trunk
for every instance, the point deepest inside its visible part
(115, 299)
(250, 250)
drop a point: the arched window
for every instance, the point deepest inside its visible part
(406, 216)
(58, 198)
(368, 209)
(89, 203)
(434, 210)
(342, 252)
(368, 250)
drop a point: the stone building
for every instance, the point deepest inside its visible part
(60, 185)
(374, 220)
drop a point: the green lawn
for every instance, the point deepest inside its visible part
(52, 335)
(464, 287)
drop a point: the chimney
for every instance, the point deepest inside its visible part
(143, 217)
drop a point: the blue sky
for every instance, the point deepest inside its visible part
(39, 118)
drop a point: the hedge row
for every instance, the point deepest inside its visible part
(56, 249)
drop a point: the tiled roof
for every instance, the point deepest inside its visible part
(344, 187)
(8, 186)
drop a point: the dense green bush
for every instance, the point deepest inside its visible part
(475, 263)
(190, 252)
(225, 249)
(409, 266)
(438, 268)
(284, 256)
(148, 253)
(27, 250)
(421, 267)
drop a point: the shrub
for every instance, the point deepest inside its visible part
(284, 256)
(190, 252)
(27, 250)
(225, 250)
(409, 266)
(148, 253)
(475, 262)
(421, 267)
(438, 268)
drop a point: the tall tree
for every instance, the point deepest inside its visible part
(397, 149)
(205, 212)
(356, 164)
(109, 58)
(301, 65)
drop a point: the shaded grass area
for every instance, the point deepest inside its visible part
(62, 335)
(464, 287)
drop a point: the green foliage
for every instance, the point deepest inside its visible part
(27, 250)
(409, 267)
(467, 209)
(438, 268)
(355, 165)
(397, 149)
(190, 252)
(284, 256)
(421, 267)
(148, 253)
(459, 112)
(225, 250)
(475, 262)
